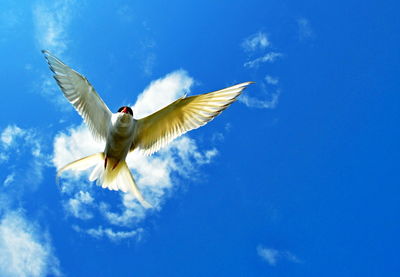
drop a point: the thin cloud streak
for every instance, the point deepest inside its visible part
(273, 256)
(269, 57)
(253, 102)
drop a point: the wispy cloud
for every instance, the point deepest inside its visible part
(25, 249)
(51, 21)
(271, 80)
(253, 102)
(273, 256)
(269, 57)
(101, 232)
(9, 179)
(257, 44)
(148, 64)
(25, 147)
(10, 134)
(305, 29)
(156, 175)
(78, 205)
(257, 41)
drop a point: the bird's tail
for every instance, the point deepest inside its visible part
(109, 172)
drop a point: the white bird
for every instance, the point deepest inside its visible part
(123, 133)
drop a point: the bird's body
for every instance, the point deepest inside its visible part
(123, 133)
(120, 136)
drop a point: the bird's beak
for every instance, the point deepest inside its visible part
(124, 110)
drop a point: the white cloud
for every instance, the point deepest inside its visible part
(101, 232)
(269, 57)
(51, 21)
(155, 175)
(253, 102)
(271, 80)
(9, 179)
(25, 250)
(23, 146)
(272, 256)
(149, 63)
(9, 135)
(257, 41)
(305, 30)
(162, 92)
(78, 205)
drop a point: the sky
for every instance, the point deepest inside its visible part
(299, 177)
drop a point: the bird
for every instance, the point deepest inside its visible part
(123, 133)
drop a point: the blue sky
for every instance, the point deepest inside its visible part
(300, 177)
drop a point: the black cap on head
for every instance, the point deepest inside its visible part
(125, 109)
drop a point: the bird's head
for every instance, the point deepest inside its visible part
(125, 114)
(125, 110)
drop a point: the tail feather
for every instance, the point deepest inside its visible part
(115, 176)
(82, 164)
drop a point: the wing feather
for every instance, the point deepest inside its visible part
(81, 94)
(181, 116)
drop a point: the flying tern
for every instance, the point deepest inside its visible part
(123, 133)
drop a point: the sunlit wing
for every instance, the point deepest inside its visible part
(181, 116)
(82, 96)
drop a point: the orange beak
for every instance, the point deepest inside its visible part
(124, 110)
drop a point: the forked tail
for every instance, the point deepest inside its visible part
(109, 173)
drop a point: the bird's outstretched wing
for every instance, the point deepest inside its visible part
(82, 96)
(181, 116)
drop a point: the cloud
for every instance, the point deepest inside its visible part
(9, 135)
(162, 92)
(253, 102)
(257, 41)
(260, 41)
(156, 175)
(78, 205)
(101, 232)
(51, 21)
(9, 179)
(22, 147)
(305, 30)
(271, 80)
(269, 57)
(25, 249)
(149, 63)
(272, 256)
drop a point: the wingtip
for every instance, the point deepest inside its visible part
(248, 83)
